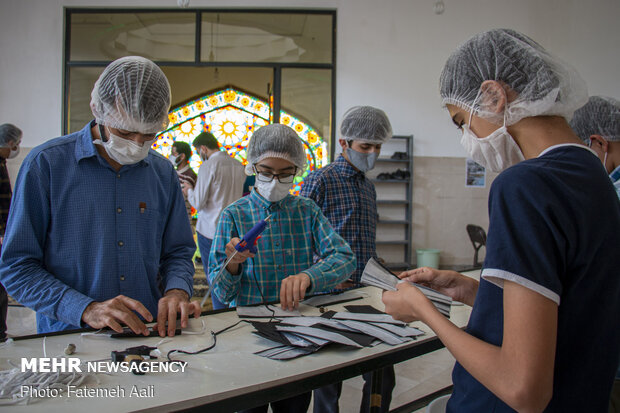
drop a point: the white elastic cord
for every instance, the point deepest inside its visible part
(11, 382)
(95, 334)
(201, 331)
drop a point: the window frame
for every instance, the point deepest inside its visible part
(275, 66)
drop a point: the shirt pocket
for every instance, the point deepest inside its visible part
(150, 228)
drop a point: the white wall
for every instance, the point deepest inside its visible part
(390, 54)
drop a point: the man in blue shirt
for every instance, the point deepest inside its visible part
(98, 221)
(348, 199)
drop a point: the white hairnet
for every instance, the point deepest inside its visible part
(544, 85)
(600, 116)
(9, 133)
(132, 94)
(275, 141)
(366, 124)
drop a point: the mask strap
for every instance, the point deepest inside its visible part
(104, 138)
(605, 160)
(471, 113)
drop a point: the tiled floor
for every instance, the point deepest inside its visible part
(415, 378)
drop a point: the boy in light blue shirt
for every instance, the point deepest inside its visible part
(283, 267)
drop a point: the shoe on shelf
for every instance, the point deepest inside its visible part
(401, 174)
(399, 156)
(384, 176)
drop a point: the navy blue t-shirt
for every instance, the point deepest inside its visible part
(554, 228)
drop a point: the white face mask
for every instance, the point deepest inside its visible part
(203, 156)
(173, 159)
(496, 152)
(273, 191)
(13, 153)
(124, 151)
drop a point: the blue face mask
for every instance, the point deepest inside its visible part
(362, 161)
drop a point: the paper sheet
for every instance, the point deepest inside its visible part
(374, 331)
(327, 299)
(317, 332)
(376, 318)
(263, 311)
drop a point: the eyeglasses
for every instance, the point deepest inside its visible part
(284, 178)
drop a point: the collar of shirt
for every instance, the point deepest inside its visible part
(185, 168)
(345, 168)
(85, 148)
(216, 154)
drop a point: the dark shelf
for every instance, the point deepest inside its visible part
(402, 181)
(393, 160)
(394, 242)
(393, 221)
(404, 205)
(392, 201)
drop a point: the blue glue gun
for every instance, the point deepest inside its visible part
(248, 242)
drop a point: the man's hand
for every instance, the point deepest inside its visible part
(293, 290)
(117, 310)
(173, 302)
(233, 266)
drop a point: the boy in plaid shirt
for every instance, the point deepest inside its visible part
(284, 265)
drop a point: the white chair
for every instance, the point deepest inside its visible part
(438, 405)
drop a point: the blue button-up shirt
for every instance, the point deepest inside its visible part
(297, 230)
(349, 200)
(79, 231)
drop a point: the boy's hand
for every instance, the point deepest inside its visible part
(407, 304)
(233, 266)
(450, 283)
(293, 290)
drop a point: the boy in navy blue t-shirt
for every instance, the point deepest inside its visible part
(543, 333)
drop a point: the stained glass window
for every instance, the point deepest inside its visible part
(232, 116)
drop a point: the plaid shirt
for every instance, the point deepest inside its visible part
(5, 195)
(297, 230)
(349, 200)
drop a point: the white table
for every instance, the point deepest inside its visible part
(229, 377)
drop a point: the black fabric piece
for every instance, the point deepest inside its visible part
(363, 309)
(268, 330)
(328, 314)
(360, 338)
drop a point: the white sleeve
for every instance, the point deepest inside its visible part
(198, 196)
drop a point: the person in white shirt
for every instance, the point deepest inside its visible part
(220, 183)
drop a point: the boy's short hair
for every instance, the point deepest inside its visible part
(206, 139)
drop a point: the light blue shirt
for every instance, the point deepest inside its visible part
(297, 230)
(78, 231)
